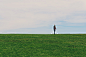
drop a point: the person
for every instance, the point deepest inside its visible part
(54, 27)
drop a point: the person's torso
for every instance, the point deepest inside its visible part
(54, 27)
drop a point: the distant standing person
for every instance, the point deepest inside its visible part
(54, 27)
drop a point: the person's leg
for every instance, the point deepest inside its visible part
(54, 31)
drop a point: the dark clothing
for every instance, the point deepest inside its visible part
(54, 28)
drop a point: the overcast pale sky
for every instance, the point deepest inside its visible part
(39, 16)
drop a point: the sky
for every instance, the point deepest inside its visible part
(39, 16)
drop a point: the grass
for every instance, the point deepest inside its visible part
(42, 45)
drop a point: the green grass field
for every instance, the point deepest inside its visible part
(42, 45)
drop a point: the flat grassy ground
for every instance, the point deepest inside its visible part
(42, 45)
